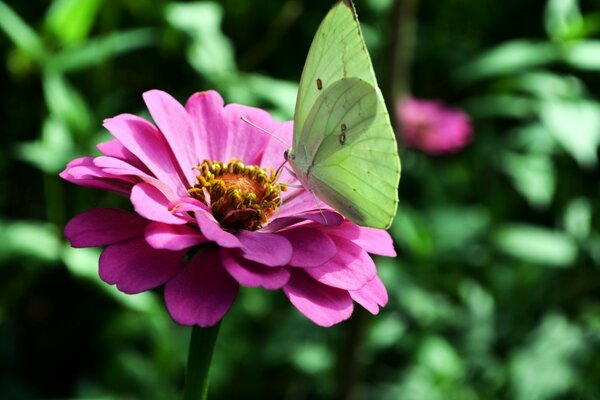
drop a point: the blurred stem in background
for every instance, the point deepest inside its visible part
(404, 29)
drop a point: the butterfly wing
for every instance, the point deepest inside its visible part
(337, 51)
(355, 168)
(360, 176)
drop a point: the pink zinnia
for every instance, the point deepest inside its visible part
(210, 216)
(432, 126)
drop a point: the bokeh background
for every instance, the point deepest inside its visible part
(495, 293)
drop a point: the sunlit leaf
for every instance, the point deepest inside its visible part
(532, 175)
(71, 20)
(583, 54)
(210, 53)
(545, 367)
(98, 50)
(508, 58)
(578, 218)
(33, 239)
(575, 124)
(563, 19)
(537, 245)
(52, 151)
(22, 35)
(66, 103)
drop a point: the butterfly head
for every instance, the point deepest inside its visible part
(289, 155)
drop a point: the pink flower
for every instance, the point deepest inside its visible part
(433, 127)
(203, 226)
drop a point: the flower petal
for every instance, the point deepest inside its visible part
(103, 226)
(172, 237)
(208, 122)
(151, 203)
(322, 304)
(274, 150)
(266, 248)
(333, 218)
(371, 296)
(213, 231)
(114, 148)
(311, 247)
(135, 267)
(350, 269)
(83, 172)
(174, 122)
(245, 141)
(251, 274)
(142, 138)
(202, 292)
(375, 241)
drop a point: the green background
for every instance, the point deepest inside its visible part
(495, 293)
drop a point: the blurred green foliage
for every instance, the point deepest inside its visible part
(495, 291)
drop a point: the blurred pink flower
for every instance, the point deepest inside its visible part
(432, 126)
(244, 230)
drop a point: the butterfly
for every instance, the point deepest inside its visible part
(344, 148)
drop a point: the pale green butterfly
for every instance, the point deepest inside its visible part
(344, 148)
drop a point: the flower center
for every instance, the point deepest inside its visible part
(240, 197)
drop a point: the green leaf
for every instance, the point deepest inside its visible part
(440, 357)
(501, 105)
(575, 124)
(563, 20)
(54, 149)
(71, 20)
(66, 103)
(96, 51)
(583, 54)
(547, 85)
(506, 59)
(211, 52)
(22, 35)
(29, 239)
(545, 368)
(532, 175)
(537, 245)
(578, 218)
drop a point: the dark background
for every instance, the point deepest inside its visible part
(495, 290)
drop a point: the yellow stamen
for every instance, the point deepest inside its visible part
(241, 197)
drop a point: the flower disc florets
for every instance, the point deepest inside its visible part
(240, 197)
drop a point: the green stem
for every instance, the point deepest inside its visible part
(202, 344)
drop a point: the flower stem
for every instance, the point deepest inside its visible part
(202, 344)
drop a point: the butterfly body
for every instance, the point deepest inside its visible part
(344, 149)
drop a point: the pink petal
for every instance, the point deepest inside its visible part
(172, 237)
(322, 304)
(135, 267)
(371, 296)
(152, 204)
(114, 148)
(245, 141)
(145, 141)
(298, 201)
(213, 231)
(350, 269)
(375, 241)
(333, 218)
(103, 226)
(176, 126)
(202, 292)
(252, 274)
(83, 172)
(208, 121)
(273, 154)
(266, 248)
(311, 247)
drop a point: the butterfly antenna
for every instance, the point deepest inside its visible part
(265, 131)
